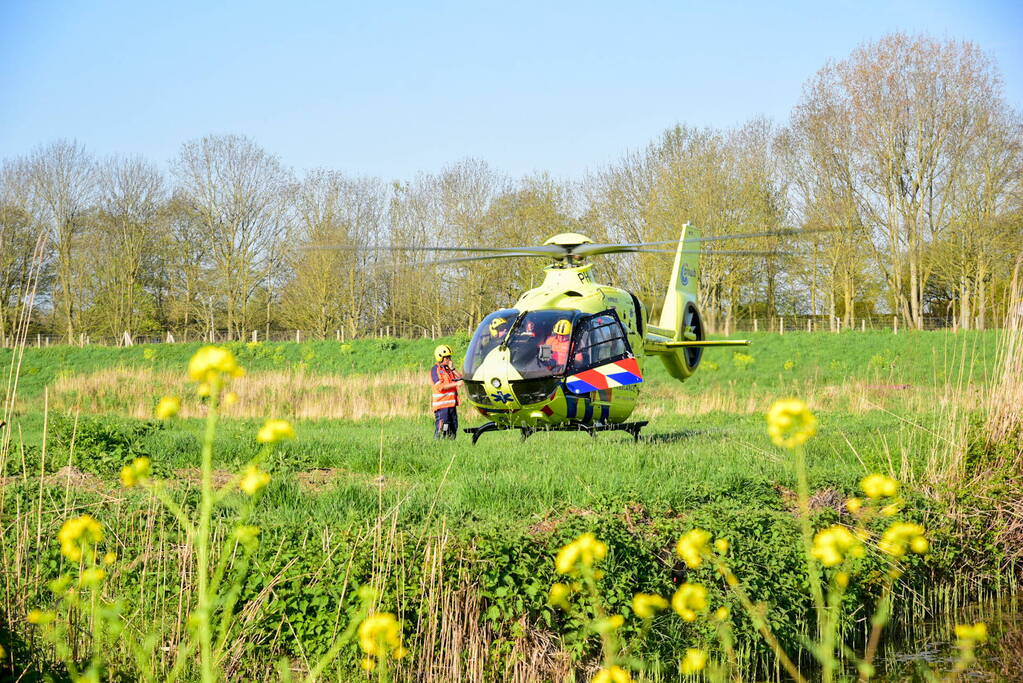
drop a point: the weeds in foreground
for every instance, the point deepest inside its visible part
(832, 556)
(832, 560)
(220, 571)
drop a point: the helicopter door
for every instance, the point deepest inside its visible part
(600, 357)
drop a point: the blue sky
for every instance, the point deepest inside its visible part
(389, 89)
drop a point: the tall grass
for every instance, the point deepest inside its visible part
(446, 534)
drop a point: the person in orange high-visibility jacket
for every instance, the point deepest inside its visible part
(446, 381)
(559, 341)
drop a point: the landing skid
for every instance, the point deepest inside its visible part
(630, 427)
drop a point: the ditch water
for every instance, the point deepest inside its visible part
(925, 645)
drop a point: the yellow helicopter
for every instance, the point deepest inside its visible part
(569, 354)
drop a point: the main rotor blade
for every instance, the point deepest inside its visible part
(719, 252)
(735, 252)
(539, 250)
(589, 249)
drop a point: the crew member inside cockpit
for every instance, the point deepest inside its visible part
(498, 330)
(559, 341)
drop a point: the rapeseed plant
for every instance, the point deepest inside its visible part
(832, 559)
(219, 571)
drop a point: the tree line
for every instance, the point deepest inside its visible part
(902, 163)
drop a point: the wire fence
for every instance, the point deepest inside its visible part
(776, 325)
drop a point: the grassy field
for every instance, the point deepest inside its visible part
(460, 539)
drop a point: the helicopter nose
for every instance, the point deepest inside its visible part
(499, 391)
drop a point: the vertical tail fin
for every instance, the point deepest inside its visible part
(682, 287)
(679, 320)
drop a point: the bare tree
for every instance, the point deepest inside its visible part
(237, 190)
(904, 112)
(131, 194)
(19, 247)
(333, 281)
(62, 178)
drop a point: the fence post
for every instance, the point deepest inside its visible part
(39, 340)
(895, 324)
(863, 325)
(809, 324)
(781, 325)
(298, 337)
(754, 324)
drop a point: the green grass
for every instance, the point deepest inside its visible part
(918, 358)
(506, 505)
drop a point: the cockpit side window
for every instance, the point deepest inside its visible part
(599, 339)
(490, 334)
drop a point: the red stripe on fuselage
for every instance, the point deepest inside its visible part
(593, 378)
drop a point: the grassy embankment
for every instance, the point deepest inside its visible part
(460, 538)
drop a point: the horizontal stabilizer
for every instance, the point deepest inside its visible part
(663, 346)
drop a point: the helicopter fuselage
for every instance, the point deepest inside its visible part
(520, 373)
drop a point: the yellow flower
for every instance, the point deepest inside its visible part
(368, 663)
(168, 407)
(608, 624)
(230, 398)
(612, 674)
(379, 635)
(969, 635)
(790, 423)
(136, 472)
(901, 536)
(583, 551)
(275, 430)
(694, 661)
(692, 547)
(842, 579)
(832, 545)
(559, 595)
(689, 599)
(246, 533)
(3, 652)
(646, 606)
(879, 486)
(77, 533)
(39, 617)
(722, 545)
(789, 364)
(253, 480)
(721, 614)
(853, 505)
(110, 558)
(212, 362)
(92, 576)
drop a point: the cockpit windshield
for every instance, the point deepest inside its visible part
(539, 343)
(489, 335)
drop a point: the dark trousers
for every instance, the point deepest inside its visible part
(446, 420)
